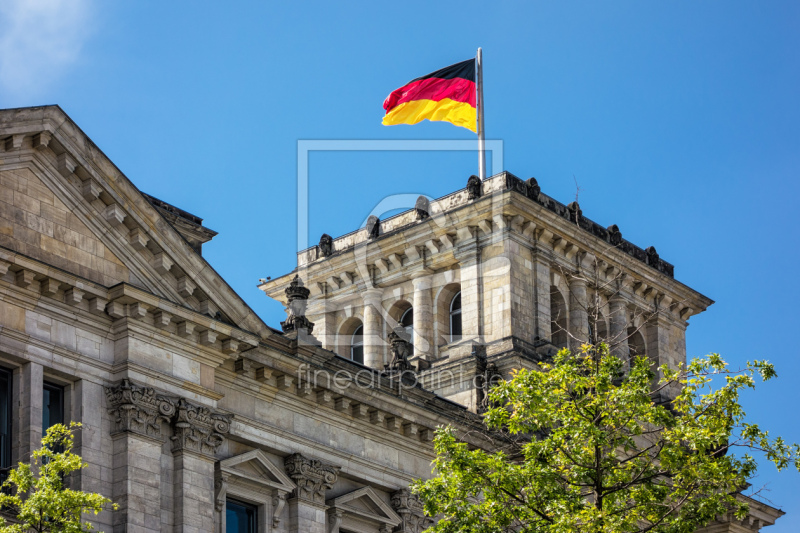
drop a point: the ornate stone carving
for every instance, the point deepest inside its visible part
(335, 518)
(575, 212)
(491, 375)
(297, 296)
(138, 409)
(311, 476)
(220, 489)
(614, 235)
(486, 376)
(325, 245)
(533, 189)
(411, 510)
(373, 226)
(423, 208)
(198, 429)
(474, 187)
(278, 503)
(652, 256)
(401, 351)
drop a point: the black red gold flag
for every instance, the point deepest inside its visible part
(447, 95)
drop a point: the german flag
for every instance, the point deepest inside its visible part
(447, 95)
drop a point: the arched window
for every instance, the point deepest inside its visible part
(407, 323)
(455, 318)
(357, 345)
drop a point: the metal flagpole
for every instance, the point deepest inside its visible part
(481, 140)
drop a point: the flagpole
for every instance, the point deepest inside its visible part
(481, 140)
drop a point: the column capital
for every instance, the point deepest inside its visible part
(411, 511)
(198, 429)
(138, 409)
(371, 296)
(422, 283)
(311, 476)
(617, 300)
(576, 279)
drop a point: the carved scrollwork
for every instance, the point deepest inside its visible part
(138, 409)
(411, 511)
(141, 410)
(198, 429)
(311, 476)
(220, 490)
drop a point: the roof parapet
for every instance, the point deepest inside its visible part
(504, 181)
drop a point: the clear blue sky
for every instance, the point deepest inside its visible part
(679, 120)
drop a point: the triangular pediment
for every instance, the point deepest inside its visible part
(256, 467)
(64, 203)
(366, 504)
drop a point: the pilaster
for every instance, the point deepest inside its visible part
(198, 434)
(307, 503)
(94, 444)
(29, 383)
(468, 256)
(541, 287)
(373, 327)
(407, 505)
(137, 416)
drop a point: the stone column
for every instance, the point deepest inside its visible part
(30, 380)
(373, 326)
(468, 256)
(198, 433)
(423, 318)
(307, 503)
(659, 348)
(618, 334)
(137, 415)
(578, 312)
(541, 280)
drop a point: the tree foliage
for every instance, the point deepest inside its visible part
(583, 447)
(35, 494)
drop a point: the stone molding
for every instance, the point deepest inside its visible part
(121, 301)
(312, 477)
(140, 410)
(411, 511)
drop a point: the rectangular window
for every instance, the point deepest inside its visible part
(52, 406)
(5, 423)
(240, 517)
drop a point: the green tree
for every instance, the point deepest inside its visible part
(583, 447)
(35, 496)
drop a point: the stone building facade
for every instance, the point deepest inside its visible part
(198, 417)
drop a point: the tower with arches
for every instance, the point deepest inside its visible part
(503, 274)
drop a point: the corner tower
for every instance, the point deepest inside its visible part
(489, 278)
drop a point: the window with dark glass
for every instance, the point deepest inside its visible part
(52, 406)
(455, 318)
(240, 517)
(5, 423)
(357, 345)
